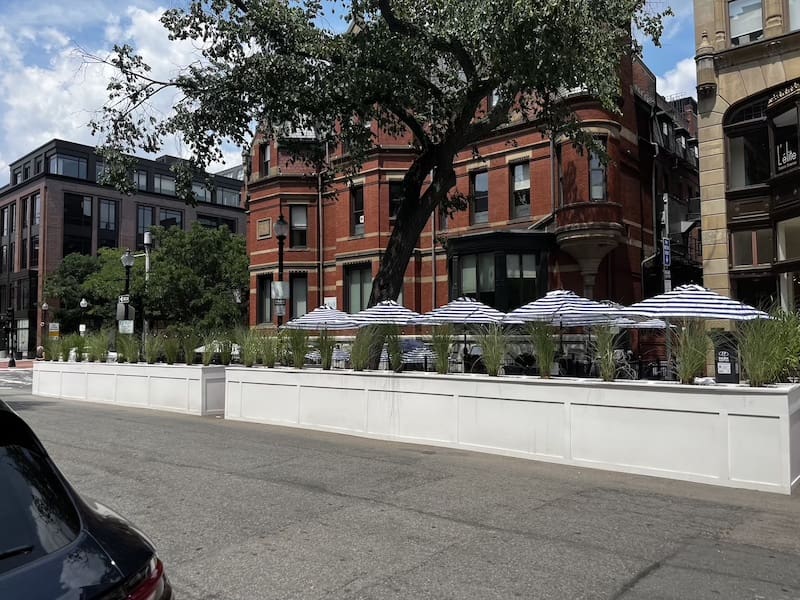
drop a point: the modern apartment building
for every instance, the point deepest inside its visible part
(54, 206)
(748, 86)
(543, 214)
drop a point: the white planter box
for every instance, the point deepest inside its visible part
(190, 389)
(730, 436)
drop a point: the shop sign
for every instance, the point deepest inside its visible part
(784, 93)
(785, 156)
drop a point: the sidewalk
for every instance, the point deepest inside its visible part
(23, 363)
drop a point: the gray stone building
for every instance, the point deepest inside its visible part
(748, 85)
(54, 206)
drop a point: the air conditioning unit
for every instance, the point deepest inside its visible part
(361, 219)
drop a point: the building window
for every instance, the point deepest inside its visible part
(12, 217)
(263, 298)
(170, 218)
(25, 213)
(357, 210)
(479, 184)
(266, 155)
(748, 158)
(214, 222)
(36, 209)
(229, 197)
(99, 170)
(23, 254)
(201, 192)
(77, 224)
(140, 180)
(395, 199)
(298, 226)
(520, 190)
(16, 177)
(37, 168)
(794, 15)
(746, 22)
(145, 219)
(4, 222)
(164, 184)
(750, 248)
(597, 178)
(34, 251)
(520, 279)
(358, 282)
(26, 172)
(106, 223)
(298, 290)
(70, 166)
(784, 131)
(478, 277)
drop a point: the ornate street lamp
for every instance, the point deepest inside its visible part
(44, 308)
(83, 305)
(127, 261)
(281, 229)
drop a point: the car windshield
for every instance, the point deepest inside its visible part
(37, 515)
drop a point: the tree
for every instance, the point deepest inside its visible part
(423, 67)
(198, 277)
(64, 289)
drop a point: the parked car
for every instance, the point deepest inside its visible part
(54, 544)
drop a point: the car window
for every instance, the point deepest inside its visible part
(37, 515)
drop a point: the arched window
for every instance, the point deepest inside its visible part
(748, 155)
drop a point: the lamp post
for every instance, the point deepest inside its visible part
(82, 326)
(45, 308)
(281, 229)
(127, 262)
(148, 244)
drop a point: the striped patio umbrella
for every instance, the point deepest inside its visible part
(324, 317)
(462, 311)
(387, 312)
(564, 308)
(693, 302)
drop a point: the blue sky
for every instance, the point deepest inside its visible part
(47, 91)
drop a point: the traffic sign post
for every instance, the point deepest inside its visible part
(666, 261)
(124, 299)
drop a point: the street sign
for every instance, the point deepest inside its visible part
(280, 310)
(124, 299)
(280, 301)
(53, 329)
(126, 326)
(667, 252)
(279, 290)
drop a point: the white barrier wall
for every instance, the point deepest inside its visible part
(731, 436)
(194, 389)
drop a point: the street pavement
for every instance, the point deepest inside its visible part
(251, 512)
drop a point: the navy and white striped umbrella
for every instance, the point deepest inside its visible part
(565, 308)
(693, 302)
(387, 312)
(462, 311)
(324, 317)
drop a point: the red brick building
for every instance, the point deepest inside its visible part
(543, 215)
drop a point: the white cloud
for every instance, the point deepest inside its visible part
(48, 91)
(682, 79)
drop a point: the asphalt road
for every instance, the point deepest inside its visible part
(252, 512)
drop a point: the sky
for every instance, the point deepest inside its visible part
(47, 90)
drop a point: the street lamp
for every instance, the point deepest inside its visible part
(82, 327)
(127, 262)
(148, 244)
(45, 308)
(281, 229)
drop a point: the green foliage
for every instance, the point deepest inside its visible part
(494, 344)
(415, 66)
(441, 342)
(787, 337)
(692, 345)
(249, 345)
(268, 342)
(209, 347)
(97, 346)
(544, 346)
(66, 285)
(605, 342)
(360, 350)
(189, 341)
(325, 344)
(394, 347)
(127, 348)
(153, 346)
(225, 344)
(298, 346)
(79, 343)
(767, 348)
(65, 347)
(52, 348)
(171, 344)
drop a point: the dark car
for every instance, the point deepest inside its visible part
(56, 545)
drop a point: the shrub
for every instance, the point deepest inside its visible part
(787, 335)
(268, 348)
(325, 344)
(189, 341)
(225, 344)
(127, 348)
(494, 344)
(153, 345)
(441, 341)
(97, 346)
(172, 347)
(544, 346)
(79, 343)
(604, 345)
(298, 346)
(394, 347)
(209, 347)
(52, 349)
(65, 347)
(762, 346)
(360, 350)
(249, 346)
(692, 345)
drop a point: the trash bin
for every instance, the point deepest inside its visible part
(726, 360)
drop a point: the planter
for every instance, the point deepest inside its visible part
(195, 389)
(730, 436)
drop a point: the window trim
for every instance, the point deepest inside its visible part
(512, 190)
(296, 228)
(603, 168)
(473, 214)
(358, 219)
(729, 32)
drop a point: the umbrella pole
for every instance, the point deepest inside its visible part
(668, 334)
